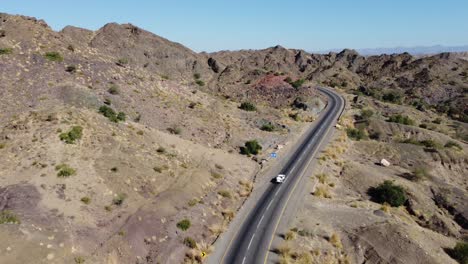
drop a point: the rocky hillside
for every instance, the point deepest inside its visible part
(119, 146)
(114, 148)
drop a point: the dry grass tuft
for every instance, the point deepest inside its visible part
(385, 207)
(204, 246)
(322, 191)
(322, 177)
(290, 235)
(228, 214)
(284, 250)
(247, 187)
(217, 229)
(335, 240)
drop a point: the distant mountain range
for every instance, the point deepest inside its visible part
(417, 50)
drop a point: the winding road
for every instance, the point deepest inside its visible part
(253, 239)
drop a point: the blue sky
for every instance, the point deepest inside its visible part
(240, 24)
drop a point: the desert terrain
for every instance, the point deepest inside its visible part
(120, 146)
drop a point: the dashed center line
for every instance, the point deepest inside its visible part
(261, 219)
(268, 207)
(250, 243)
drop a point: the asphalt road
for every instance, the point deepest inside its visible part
(253, 240)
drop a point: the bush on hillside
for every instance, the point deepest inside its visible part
(53, 56)
(296, 84)
(248, 106)
(387, 192)
(251, 147)
(200, 83)
(184, 224)
(400, 119)
(356, 134)
(459, 252)
(64, 171)
(71, 136)
(113, 89)
(366, 114)
(392, 97)
(5, 51)
(453, 144)
(268, 127)
(111, 114)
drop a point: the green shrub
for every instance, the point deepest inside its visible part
(420, 173)
(190, 242)
(114, 89)
(71, 136)
(158, 169)
(111, 115)
(64, 170)
(53, 56)
(193, 202)
(251, 147)
(430, 143)
(79, 260)
(200, 83)
(248, 106)
(453, 144)
(121, 116)
(107, 112)
(297, 83)
(225, 194)
(122, 61)
(4, 51)
(196, 76)
(459, 252)
(366, 114)
(86, 200)
(119, 200)
(268, 127)
(8, 217)
(184, 224)
(405, 120)
(423, 126)
(392, 97)
(387, 192)
(356, 134)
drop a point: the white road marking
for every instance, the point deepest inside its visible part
(250, 243)
(243, 261)
(261, 219)
(276, 193)
(269, 204)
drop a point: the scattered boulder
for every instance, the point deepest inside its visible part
(384, 163)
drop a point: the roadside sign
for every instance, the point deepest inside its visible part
(203, 254)
(273, 155)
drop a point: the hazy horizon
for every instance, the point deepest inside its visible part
(299, 24)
